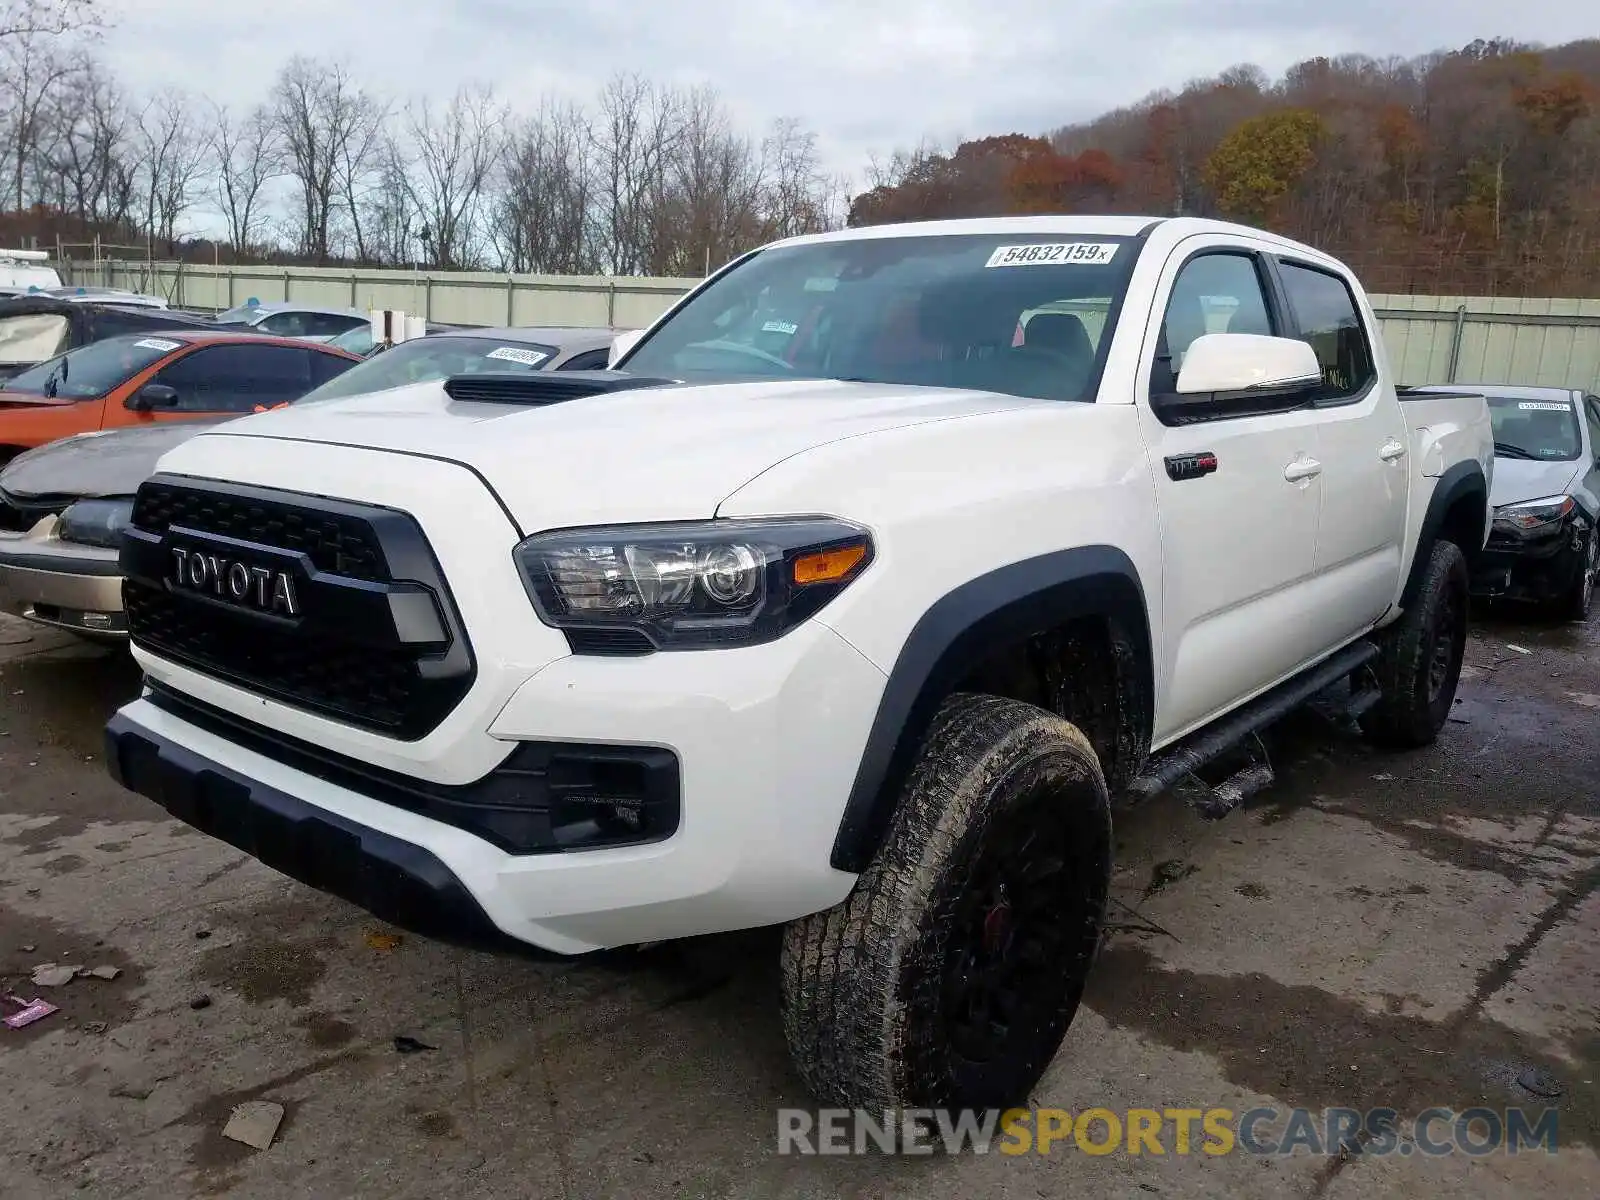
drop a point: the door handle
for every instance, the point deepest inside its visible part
(1392, 450)
(1302, 469)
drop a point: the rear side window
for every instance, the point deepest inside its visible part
(238, 378)
(1325, 312)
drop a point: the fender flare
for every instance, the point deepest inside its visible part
(1463, 481)
(983, 615)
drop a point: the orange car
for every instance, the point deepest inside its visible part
(138, 379)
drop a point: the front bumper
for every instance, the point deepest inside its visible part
(1537, 569)
(62, 584)
(767, 739)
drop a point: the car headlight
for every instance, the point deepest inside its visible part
(1530, 515)
(693, 585)
(96, 522)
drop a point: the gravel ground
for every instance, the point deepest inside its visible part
(1398, 931)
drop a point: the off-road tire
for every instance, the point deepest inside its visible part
(1419, 664)
(998, 853)
(1576, 604)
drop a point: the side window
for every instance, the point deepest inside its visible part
(285, 324)
(592, 360)
(1213, 293)
(1591, 410)
(1325, 313)
(328, 324)
(238, 378)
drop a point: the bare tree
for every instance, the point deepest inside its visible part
(706, 201)
(390, 215)
(92, 159)
(454, 153)
(799, 198)
(542, 210)
(32, 70)
(30, 18)
(636, 133)
(172, 150)
(330, 131)
(246, 155)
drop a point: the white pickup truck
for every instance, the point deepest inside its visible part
(886, 562)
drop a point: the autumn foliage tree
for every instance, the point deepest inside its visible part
(1472, 171)
(1256, 167)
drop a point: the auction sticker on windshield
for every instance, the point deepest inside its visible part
(160, 344)
(1544, 406)
(528, 358)
(1046, 254)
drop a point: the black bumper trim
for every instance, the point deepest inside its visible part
(61, 564)
(396, 881)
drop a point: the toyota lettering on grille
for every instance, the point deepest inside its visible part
(241, 583)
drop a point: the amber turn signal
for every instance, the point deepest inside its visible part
(828, 566)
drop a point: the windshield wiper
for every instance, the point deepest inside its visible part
(51, 383)
(1510, 451)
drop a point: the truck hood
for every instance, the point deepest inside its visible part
(1518, 479)
(112, 462)
(658, 453)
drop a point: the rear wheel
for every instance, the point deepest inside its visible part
(950, 974)
(1420, 661)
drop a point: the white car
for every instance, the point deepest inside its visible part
(288, 318)
(884, 562)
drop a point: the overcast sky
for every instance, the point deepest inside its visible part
(866, 75)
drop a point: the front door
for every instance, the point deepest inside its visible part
(1238, 500)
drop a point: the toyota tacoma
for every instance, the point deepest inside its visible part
(880, 566)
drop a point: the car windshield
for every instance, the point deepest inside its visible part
(1024, 315)
(1538, 428)
(32, 337)
(92, 370)
(429, 359)
(245, 314)
(357, 339)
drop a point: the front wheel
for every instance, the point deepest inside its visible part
(1576, 603)
(949, 976)
(1420, 660)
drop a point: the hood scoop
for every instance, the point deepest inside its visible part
(543, 387)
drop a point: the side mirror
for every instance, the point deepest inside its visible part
(621, 344)
(1248, 362)
(151, 396)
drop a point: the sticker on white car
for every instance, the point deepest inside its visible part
(160, 344)
(1544, 406)
(528, 358)
(1043, 254)
(779, 327)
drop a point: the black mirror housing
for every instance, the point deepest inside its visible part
(152, 396)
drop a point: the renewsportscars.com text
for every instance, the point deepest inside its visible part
(1265, 1131)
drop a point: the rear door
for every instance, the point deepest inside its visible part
(1238, 498)
(1364, 442)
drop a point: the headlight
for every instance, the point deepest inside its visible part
(1530, 515)
(96, 522)
(693, 585)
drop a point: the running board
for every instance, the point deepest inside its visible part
(1167, 767)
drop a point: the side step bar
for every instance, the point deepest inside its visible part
(1171, 765)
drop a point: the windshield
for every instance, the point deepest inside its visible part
(429, 359)
(245, 314)
(32, 337)
(1540, 429)
(357, 340)
(1020, 315)
(92, 370)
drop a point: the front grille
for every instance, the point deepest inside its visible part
(375, 640)
(335, 542)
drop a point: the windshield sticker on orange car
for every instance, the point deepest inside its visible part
(160, 344)
(1544, 406)
(528, 358)
(1050, 254)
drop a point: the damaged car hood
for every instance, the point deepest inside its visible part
(675, 451)
(1519, 479)
(111, 462)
